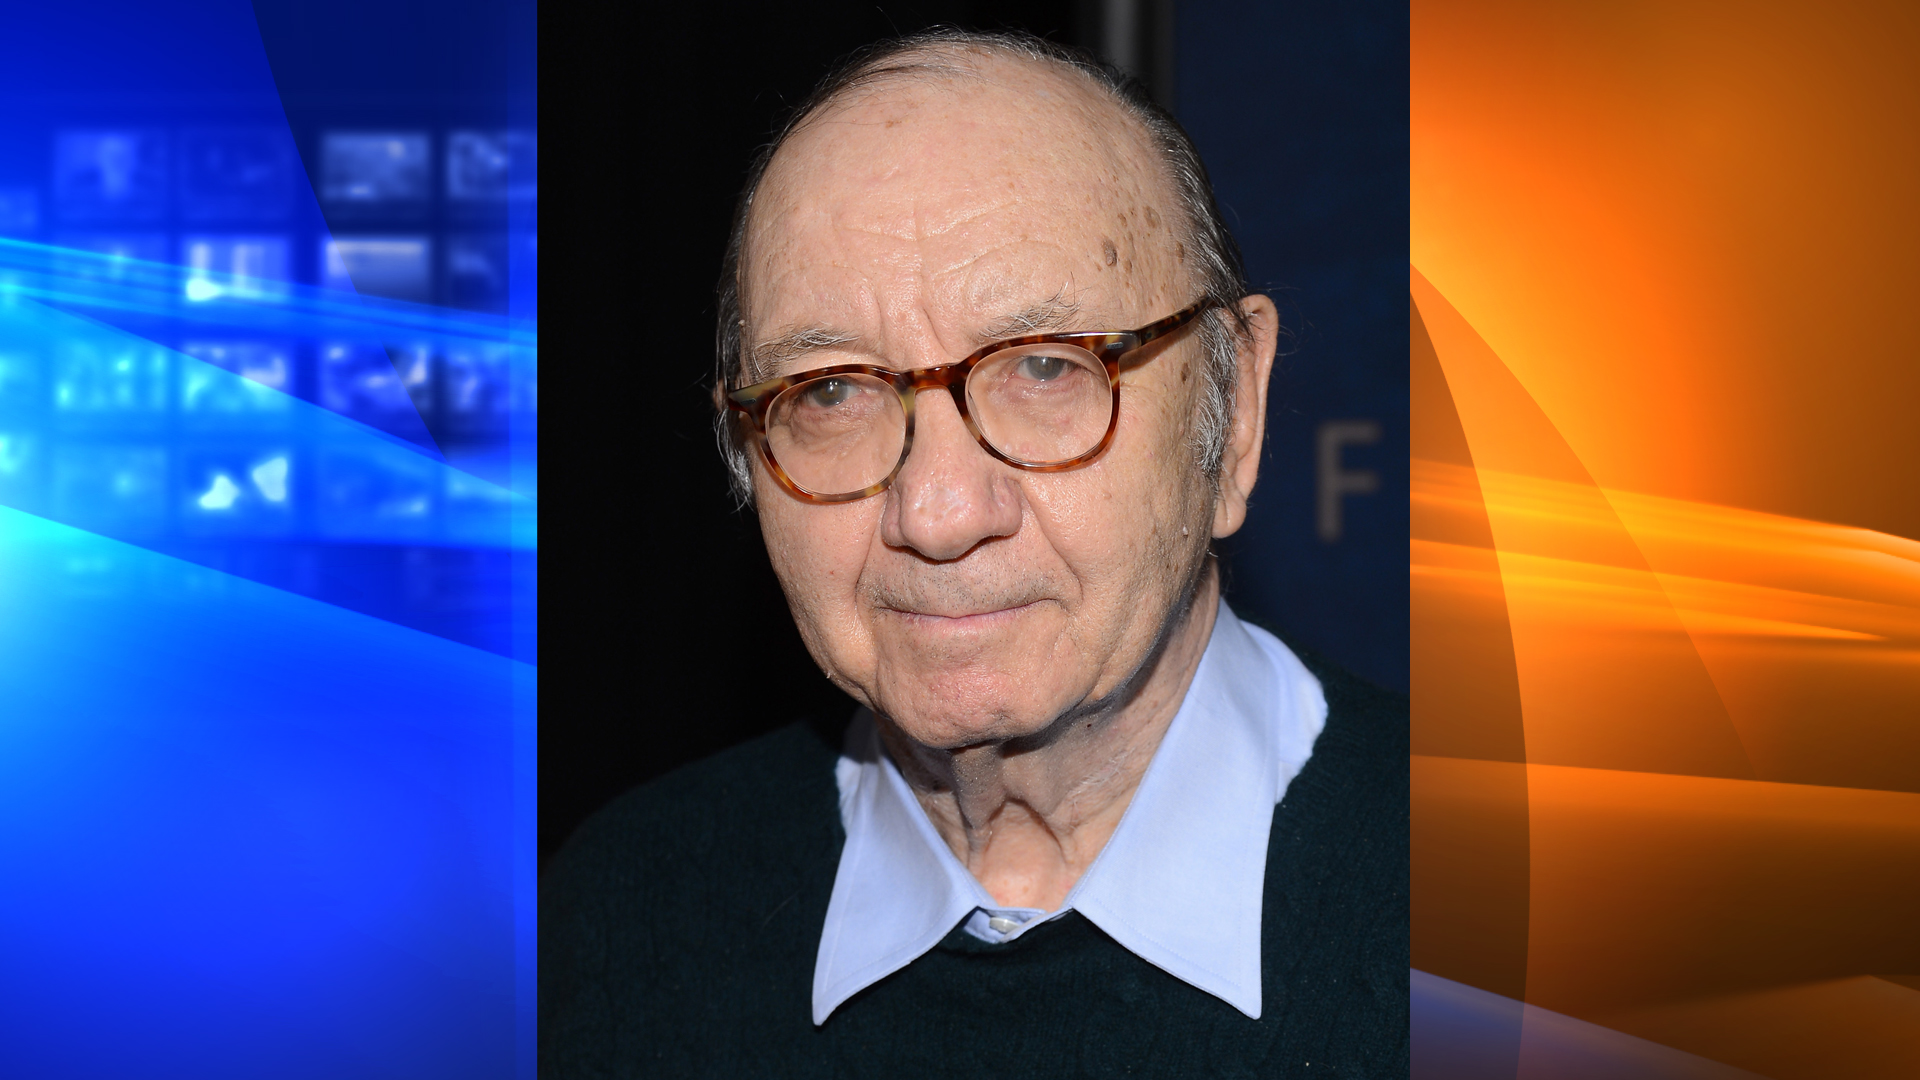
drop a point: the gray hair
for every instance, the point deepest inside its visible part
(1213, 255)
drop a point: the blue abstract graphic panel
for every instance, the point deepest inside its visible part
(268, 543)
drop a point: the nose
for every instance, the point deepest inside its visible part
(951, 494)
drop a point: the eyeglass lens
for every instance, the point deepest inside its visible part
(1036, 404)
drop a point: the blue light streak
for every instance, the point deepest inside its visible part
(110, 285)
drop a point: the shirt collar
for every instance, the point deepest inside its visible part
(1179, 884)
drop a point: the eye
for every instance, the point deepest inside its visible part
(1041, 368)
(828, 393)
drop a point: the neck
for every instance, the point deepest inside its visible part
(1027, 817)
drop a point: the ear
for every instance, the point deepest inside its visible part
(1240, 463)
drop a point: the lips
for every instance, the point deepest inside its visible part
(932, 599)
(963, 616)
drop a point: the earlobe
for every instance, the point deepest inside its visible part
(1240, 463)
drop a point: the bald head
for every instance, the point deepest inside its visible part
(927, 141)
(918, 212)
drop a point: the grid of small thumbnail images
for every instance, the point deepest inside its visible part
(428, 217)
(406, 225)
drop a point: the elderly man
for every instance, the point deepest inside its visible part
(992, 381)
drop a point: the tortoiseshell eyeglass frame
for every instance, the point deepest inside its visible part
(1109, 347)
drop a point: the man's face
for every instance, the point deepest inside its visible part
(971, 601)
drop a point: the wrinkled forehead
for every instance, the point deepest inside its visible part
(973, 159)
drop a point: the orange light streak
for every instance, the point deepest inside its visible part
(1718, 787)
(1664, 586)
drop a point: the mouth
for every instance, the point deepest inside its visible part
(963, 620)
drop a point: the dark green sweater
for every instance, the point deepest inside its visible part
(678, 932)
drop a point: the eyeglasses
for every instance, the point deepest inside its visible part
(1043, 403)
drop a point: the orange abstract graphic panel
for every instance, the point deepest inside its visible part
(1664, 580)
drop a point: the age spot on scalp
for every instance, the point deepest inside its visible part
(1153, 219)
(1108, 252)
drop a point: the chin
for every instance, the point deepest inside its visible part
(949, 714)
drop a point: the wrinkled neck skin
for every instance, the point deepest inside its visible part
(1028, 816)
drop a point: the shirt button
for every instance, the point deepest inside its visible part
(1000, 924)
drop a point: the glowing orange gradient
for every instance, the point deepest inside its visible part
(1707, 697)
(1690, 230)
(1686, 842)
(1666, 717)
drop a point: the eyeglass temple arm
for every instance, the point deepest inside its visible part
(1173, 322)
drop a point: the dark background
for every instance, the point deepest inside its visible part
(666, 637)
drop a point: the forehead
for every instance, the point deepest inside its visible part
(974, 182)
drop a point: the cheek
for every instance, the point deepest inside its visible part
(1157, 438)
(817, 552)
(1125, 525)
(1108, 523)
(1149, 471)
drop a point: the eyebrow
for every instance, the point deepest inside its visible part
(1054, 313)
(767, 357)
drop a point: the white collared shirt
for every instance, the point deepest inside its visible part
(1180, 883)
